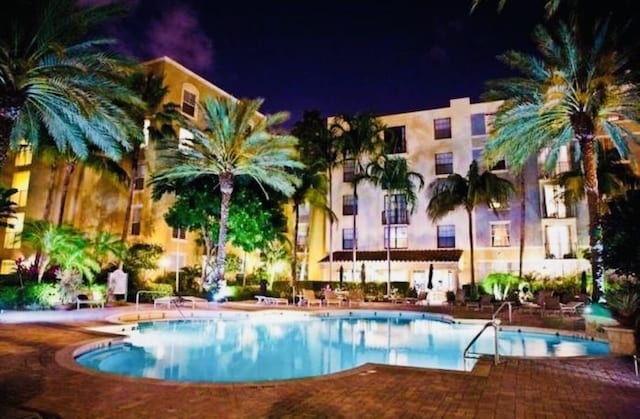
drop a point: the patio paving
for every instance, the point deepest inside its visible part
(32, 381)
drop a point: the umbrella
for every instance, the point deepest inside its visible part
(363, 275)
(341, 271)
(430, 282)
(583, 283)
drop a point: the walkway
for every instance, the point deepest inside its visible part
(32, 381)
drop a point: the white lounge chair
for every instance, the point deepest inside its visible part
(310, 297)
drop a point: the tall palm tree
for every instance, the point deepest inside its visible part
(53, 82)
(454, 191)
(7, 206)
(318, 152)
(236, 141)
(312, 191)
(392, 174)
(575, 91)
(357, 137)
(159, 121)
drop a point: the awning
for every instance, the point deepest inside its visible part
(433, 255)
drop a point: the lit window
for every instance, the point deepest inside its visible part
(442, 128)
(178, 233)
(500, 235)
(8, 267)
(12, 234)
(398, 235)
(394, 140)
(24, 155)
(554, 201)
(136, 216)
(558, 242)
(444, 163)
(446, 236)
(189, 100)
(348, 241)
(185, 138)
(476, 154)
(21, 183)
(349, 205)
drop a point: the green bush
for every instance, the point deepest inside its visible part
(9, 297)
(240, 293)
(41, 295)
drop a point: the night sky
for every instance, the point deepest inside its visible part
(347, 56)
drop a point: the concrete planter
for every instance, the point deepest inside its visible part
(621, 340)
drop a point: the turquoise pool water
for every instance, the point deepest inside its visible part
(278, 347)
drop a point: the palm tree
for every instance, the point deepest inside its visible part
(7, 206)
(105, 246)
(55, 83)
(59, 245)
(392, 174)
(447, 194)
(159, 121)
(235, 142)
(357, 136)
(574, 92)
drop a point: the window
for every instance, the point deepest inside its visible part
(12, 234)
(478, 126)
(446, 236)
(558, 242)
(444, 163)
(349, 205)
(178, 233)
(189, 100)
(398, 238)
(442, 128)
(348, 170)
(24, 155)
(136, 215)
(176, 261)
(141, 172)
(303, 234)
(394, 140)
(554, 203)
(348, 241)
(21, 183)
(7, 267)
(397, 207)
(500, 235)
(184, 139)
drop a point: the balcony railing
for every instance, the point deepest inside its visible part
(395, 217)
(565, 211)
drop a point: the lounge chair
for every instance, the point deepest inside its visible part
(571, 308)
(483, 303)
(263, 299)
(178, 300)
(310, 297)
(331, 297)
(552, 305)
(94, 299)
(423, 299)
(356, 296)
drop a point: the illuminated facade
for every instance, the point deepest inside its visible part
(439, 142)
(97, 203)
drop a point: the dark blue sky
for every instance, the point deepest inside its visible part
(346, 56)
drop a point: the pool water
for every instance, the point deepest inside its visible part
(276, 347)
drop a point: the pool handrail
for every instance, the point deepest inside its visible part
(495, 323)
(504, 303)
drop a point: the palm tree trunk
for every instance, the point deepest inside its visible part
(5, 135)
(522, 222)
(471, 250)
(330, 225)
(132, 188)
(226, 188)
(48, 203)
(294, 259)
(206, 238)
(589, 161)
(354, 247)
(68, 171)
(388, 227)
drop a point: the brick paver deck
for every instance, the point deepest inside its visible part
(32, 381)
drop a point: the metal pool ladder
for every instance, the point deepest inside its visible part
(495, 323)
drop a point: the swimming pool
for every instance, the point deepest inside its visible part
(280, 346)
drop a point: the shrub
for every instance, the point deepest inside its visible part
(42, 295)
(9, 297)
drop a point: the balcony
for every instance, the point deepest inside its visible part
(395, 217)
(559, 211)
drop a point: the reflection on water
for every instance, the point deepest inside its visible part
(270, 348)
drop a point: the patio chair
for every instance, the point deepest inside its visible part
(552, 305)
(422, 299)
(461, 298)
(331, 297)
(310, 297)
(571, 308)
(481, 304)
(356, 296)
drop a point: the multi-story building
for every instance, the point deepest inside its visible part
(97, 203)
(439, 142)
